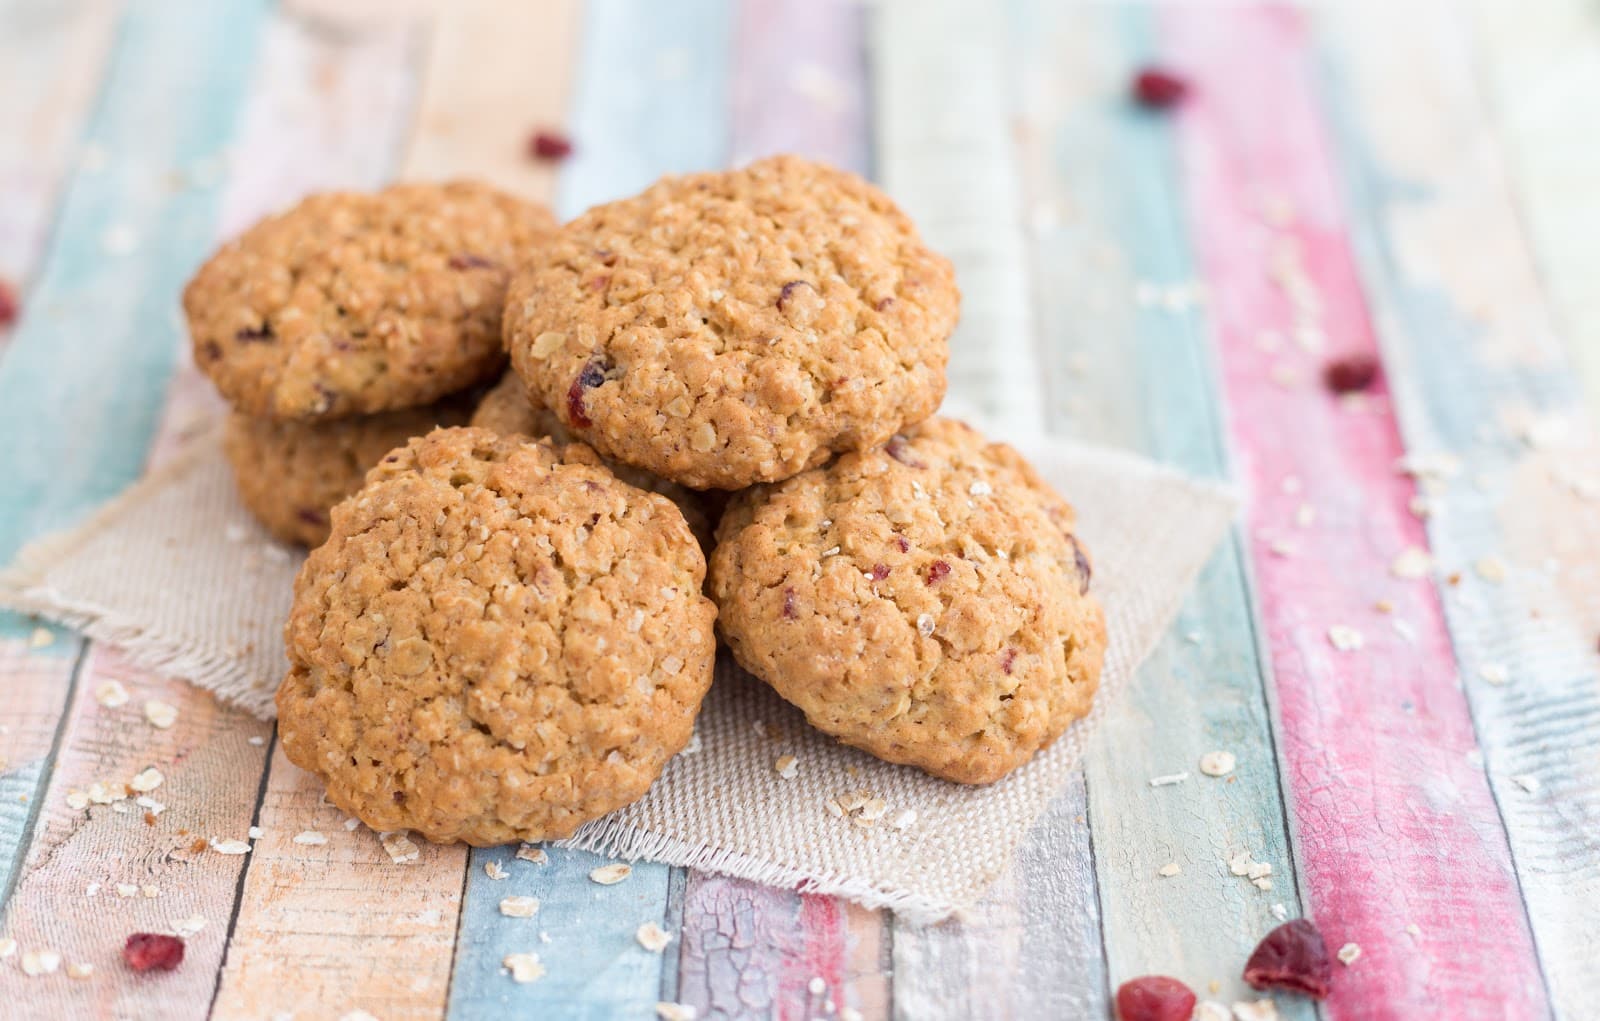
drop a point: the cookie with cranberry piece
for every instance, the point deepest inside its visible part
(290, 474)
(499, 641)
(507, 410)
(352, 303)
(723, 329)
(926, 601)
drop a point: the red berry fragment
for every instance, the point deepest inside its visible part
(149, 951)
(1154, 998)
(1349, 375)
(1080, 561)
(1158, 89)
(593, 375)
(549, 146)
(10, 304)
(1293, 957)
(936, 571)
(900, 450)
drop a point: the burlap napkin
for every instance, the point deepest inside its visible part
(176, 572)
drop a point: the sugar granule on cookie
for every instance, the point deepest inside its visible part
(352, 303)
(723, 329)
(927, 601)
(461, 660)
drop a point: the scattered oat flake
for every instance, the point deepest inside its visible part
(127, 890)
(256, 739)
(1345, 638)
(1262, 883)
(652, 937)
(667, 1011)
(537, 855)
(399, 846)
(1494, 673)
(786, 766)
(1348, 953)
(1255, 1010)
(40, 962)
(111, 694)
(229, 846)
(254, 832)
(1219, 763)
(80, 969)
(849, 1014)
(904, 818)
(519, 907)
(524, 968)
(610, 875)
(8, 947)
(147, 781)
(1490, 569)
(494, 870)
(1169, 870)
(1168, 779)
(1305, 515)
(310, 838)
(159, 714)
(40, 638)
(149, 892)
(1280, 912)
(816, 986)
(77, 800)
(105, 794)
(1211, 1010)
(1413, 562)
(1413, 929)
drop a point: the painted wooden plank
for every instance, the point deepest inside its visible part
(1540, 66)
(667, 113)
(51, 60)
(1478, 368)
(495, 73)
(353, 929)
(798, 84)
(943, 151)
(1107, 232)
(1376, 740)
(139, 872)
(37, 677)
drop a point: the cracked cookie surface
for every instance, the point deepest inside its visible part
(499, 641)
(290, 474)
(507, 410)
(722, 329)
(353, 303)
(925, 601)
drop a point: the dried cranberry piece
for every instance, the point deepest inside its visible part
(1154, 998)
(310, 515)
(1158, 89)
(901, 544)
(10, 304)
(150, 951)
(883, 304)
(788, 604)
(1349, 375)
(254, 334)
(789, 289)
(898, 449)
(593, 374)
(1007, 658)
(1081, 562)
(1294, 957)
(549, 145)
(211, 350)
(880, 572)
(936, 571)
(467, 260)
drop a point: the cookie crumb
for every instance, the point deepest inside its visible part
(524, 968)
(652, 937)
(111, 694)
(610, 875)
(1169, 870)
(494, 870)
(40, 962)
(160, 715)
(80, 969)
(398, 845)
(537, 855)
(1218, 763)
(1345, 638)
(786, 766)
(1412, 562)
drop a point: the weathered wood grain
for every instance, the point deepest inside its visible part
(1376, 741)
(943, 151)
(37, 680)
(1122, 367)
(1479, 369)
(336, 926)
(88, 853)
(494, 74)
(1539, 65)
(52, 57)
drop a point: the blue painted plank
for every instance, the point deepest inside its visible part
(83, 376)
(651, 98)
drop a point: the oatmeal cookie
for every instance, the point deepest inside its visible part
(507, 410)
(352, 303)
(723, 329)
(290, 474)
(498, 642)
(925, 601)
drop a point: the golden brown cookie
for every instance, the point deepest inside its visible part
(290, 474)
(925, 601)
(352, 303)
(498, 642)
(729, 328)
(506, 409)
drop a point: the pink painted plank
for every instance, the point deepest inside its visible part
(1394, 821)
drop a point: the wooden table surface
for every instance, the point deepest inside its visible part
(1414, 181)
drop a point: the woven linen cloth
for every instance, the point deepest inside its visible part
(177, 573)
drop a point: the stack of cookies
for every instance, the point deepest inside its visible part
(347, 325)
(512, 625)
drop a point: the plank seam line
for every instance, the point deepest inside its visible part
(36, 804)
(672, 921)
(1368, 248)
(1099, 897)
(244, 875)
